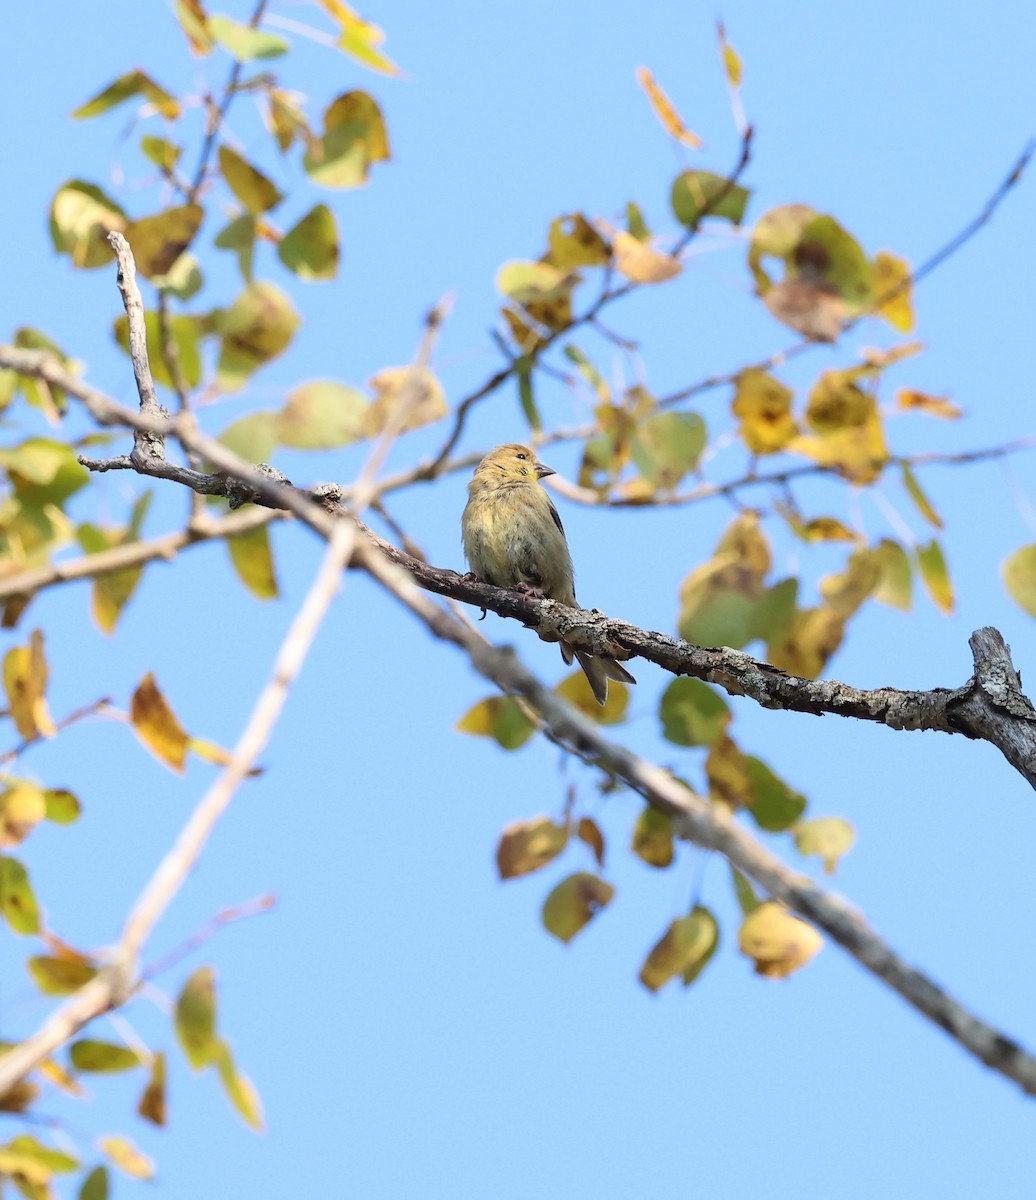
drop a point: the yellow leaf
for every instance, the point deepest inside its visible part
(1019, 575)
(653, 838)
(778, 943)
(195, 1019)
(726, 772)
(924, 505)
(639, 262)
(253, 561)
(122, 1153)
(22, 807)
(499, 717)
(805, 646)
(936, 575)
(893, 291)
(157, 726)
(358, 37)
(525, 846)
(684, 949)
(159, 240)
(731, 58)
(909, 400)
(25, 682)
(239, 1088)
(665, 111)
(574, 902)
(415, 387)
(828, 837)
(763, 406)
(576, 690)
(845, 592)
(59, 976)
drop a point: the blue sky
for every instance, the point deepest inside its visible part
(411, 1028)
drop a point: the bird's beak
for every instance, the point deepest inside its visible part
(542, 471)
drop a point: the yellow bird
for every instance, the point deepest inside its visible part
(513, 537)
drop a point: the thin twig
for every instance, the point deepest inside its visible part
(238, 912)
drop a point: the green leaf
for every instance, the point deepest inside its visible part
(668, 445)
(826, 254)
(774, 806)
(55, 1161)
(573, 242)
(239, 1088)
(684, 949)
(322, 415)
(17, 900)
(499, 717)
(696, 194)
(253, 561)
(924, 505)
(523, 372)
(257, 327)
(195, 1019)
(95, 1185)
(724, 618)
(653, 838)
(254, 437)
(239, 235)
(1019, 575)
(43, 472)
(184, 281)
(102, 1057)
(589, 372)
(59, 976)
(310, 248)
(773, 610)
(575, 902)
(828, 837)
(636, 226)
(134, 83)
(161, 152)
(895, 584)
(526, 846)
(62, 806)
(255, 191)
(693, 714)
(81, 217)
(747, 899)
(245, 43)
(354, 137)
(936, 575)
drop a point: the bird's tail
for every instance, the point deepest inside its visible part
(598, 670)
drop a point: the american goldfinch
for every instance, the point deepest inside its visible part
(513, 537)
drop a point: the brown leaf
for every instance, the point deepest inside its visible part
(157, 726)
(810, 310)
(525, 846)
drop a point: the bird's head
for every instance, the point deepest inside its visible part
(512, 463)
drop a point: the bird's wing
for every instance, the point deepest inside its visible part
(554, 514)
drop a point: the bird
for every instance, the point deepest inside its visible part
(513, 538)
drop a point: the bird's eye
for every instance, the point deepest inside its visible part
(521, 456)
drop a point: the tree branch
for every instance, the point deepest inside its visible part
(713, 827)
